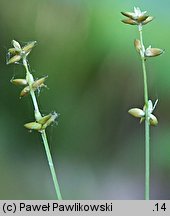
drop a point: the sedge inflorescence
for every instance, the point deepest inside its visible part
(139, 18)
(17, 54)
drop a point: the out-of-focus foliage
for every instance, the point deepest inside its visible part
(95, 76)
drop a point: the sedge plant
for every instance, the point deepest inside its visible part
(139, 19)
(30, 86)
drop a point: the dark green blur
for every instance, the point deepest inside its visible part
(94, 77)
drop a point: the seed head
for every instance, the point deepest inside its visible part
(19, 81)
(43, 122)
(137, 17)
(153, 120)
(29, 46)
(129, 21)
(44, 119)
(136, 112)
(152, 52)
(138, 46)
(33, 126)
(39, 83)
(12, 51)
(17, 52)
(14, 59)
(139, 113)
(149, 19)
(50, 120)
(25, 91)
(16, 45)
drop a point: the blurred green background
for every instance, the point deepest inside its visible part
(95, 76)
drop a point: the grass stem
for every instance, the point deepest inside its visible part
(51, 165)
(147, 124)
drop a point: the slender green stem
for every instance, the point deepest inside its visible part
(38, 115)
(147, 124)
(51, 165)
(30, 81)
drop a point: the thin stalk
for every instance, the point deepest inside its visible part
(51, 165)
(147, 124)
(38, 115)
